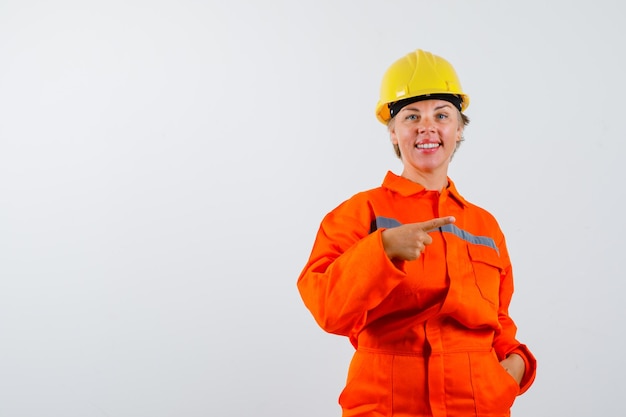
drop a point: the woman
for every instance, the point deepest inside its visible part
(418, 278)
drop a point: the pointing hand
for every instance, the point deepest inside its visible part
(408, 241)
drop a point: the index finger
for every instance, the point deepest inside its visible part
(434, 224)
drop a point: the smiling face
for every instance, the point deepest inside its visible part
(426, 133)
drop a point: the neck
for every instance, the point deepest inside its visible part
(432, 181)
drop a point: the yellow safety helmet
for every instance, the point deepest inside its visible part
(418, 74)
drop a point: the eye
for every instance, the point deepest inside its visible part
(411, 117)
(442, 116)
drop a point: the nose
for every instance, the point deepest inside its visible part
(426, 127)
(426, 124)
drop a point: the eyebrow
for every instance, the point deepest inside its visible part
(408, 107)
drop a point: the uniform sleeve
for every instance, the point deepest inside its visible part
(348, 272)
(505, 342)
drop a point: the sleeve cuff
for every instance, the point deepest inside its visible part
(530, 367)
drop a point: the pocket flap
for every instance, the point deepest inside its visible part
(485, 254)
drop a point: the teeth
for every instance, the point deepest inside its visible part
(427, 145)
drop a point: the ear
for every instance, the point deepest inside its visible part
(392, 135)
(459, 133)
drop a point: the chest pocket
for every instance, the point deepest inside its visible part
(487, 268)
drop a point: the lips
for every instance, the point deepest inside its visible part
(428, 145)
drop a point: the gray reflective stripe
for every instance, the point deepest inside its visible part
(387, 223)
(468, 237)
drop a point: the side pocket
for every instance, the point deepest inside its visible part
(495, 389)
(368, 385)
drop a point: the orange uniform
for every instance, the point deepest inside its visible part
(429, 333)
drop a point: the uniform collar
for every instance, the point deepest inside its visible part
(406, 187)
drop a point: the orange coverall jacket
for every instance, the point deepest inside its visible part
(429, 333)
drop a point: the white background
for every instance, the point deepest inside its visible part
(164, 166)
